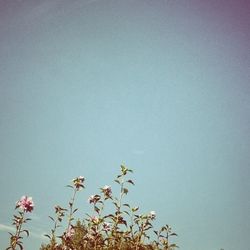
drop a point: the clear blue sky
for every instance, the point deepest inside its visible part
(162, 86)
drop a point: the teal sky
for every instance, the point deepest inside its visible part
(162, 86)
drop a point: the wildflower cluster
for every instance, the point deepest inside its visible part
(124, 228)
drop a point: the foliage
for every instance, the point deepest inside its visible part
(123, 229)
(24, 205)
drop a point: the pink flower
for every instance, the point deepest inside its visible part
(70, 232)
(89, 237)
(95, 219)
(107, 191)
(60, 212)
(106, 226)
(120, 220)
(25, 203)
(94, 199)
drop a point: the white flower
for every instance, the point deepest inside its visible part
(152, 215)
(79, 182)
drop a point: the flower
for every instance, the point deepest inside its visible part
(89, 237)
(70, 232)
(59, 209)
(25, 203)
(106, 190)
(152, 215)
(60, 212)
(106, 226)
(78, 182)
(95, 219)
(120, 220)
(94, 199)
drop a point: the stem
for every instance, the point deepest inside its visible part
(95, 244)
(118, 212)
(139, 236)
(141, 231)
(121, 195)
(18, 231)
(71, 209)
(53, 233)
(132, 225)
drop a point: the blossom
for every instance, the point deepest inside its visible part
(152, 215)
(70, 232)
(60, 212)
(94, 199)
(120, 220)
(59, 209)
(106, 226)
(25, 203)
(78, 182)
(89, 237)
(95, 219)
(106, 190)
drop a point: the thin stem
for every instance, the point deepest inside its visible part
(71, 203)
(18, 231)
(121, 195)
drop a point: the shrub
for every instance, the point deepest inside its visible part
(123, 229)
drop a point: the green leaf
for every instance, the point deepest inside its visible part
(131, 182)
(20, 245)
(51, 218)
(115, 203)
(126, 205)
(125, 190)
(173, 234)
(97, 209)
(126, 212)
(134, 209)
(116, 180)
(26, 231)
(173, 245)
(46, 235)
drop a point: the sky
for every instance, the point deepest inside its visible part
(161, 86)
